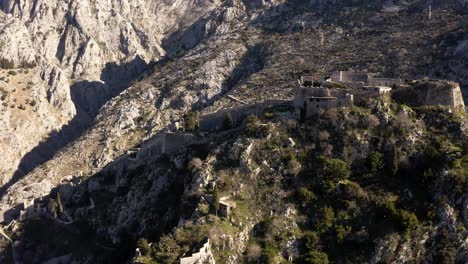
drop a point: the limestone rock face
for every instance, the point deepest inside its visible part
(83, 53)
(58, 92)
(81, 37)
(28, 112)
(15, 45)
(143, 108)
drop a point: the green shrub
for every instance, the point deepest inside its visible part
(254, 128)
(334, 169)
(409, 221)
(393, 167)
(311, 240)
(287, 155)
(445, 251)
(228, 122)
(215, 203)
(403, 219)
(316, 257)
(432, 211)
(328, 216)
(351, 191)
(376, 163)
(144, 247)
(341, 233)
(6, 64)
(167, 250)
(324, 219)
(4, 95)
(433, 157)
(269, 253)
(268, 115)
(191, 121)
(390, 208)
(306, 196)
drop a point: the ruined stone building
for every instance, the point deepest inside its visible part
(354, 79)
(226, 207)
(311, 98)
(350, 76)
(310, 101)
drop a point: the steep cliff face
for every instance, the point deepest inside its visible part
(209, 55)
(82, 53)
(82, 36)
(387, 5)
(29, 112)
(139, 112)
(88, 52)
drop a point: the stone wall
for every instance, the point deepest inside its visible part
(371, 91)
(310, 101)
(385, 82)
(214, 121)
(422, 93)
(350, 76)
(164, 143)
(302, 93)
(204, 255)
(359, 79)
(317, 105)
(458, 100)
(175, 141)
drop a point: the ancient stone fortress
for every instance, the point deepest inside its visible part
(315, 95)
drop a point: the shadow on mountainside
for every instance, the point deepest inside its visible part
(252, 62)
(88, 97)
(104, 196)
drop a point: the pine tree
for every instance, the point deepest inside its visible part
(215, 203)
(144, 247)
(228, 122)
(395, 161)
(191, 121)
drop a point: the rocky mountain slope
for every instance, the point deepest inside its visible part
(80, 54)
(106, 76)
(345, 187)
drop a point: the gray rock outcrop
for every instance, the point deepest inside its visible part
(91, 47)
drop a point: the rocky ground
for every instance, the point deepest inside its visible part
(350, 179)
(107, 76)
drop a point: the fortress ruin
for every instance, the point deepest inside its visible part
(435, 92)
(315, 95)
